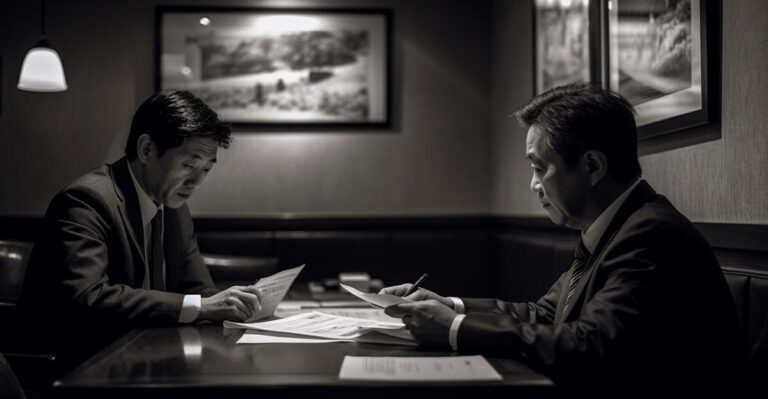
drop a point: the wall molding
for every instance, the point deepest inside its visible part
(730, 236)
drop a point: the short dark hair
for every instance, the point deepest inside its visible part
(171, 118)
(582, 117)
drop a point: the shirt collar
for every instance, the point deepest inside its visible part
(147, 206)
(591, 236)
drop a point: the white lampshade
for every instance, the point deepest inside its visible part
(42, 71)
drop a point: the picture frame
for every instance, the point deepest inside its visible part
(279, 67)
(567, 43)
(663, 56)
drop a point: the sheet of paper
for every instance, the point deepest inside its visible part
(317, 324)
(449, 368)
(378, 300)
(379, 328)
(273, 289)
(367, 313)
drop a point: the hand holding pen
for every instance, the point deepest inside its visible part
(416, 285)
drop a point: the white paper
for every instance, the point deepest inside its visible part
(317, 324)
(378, 300)
(450, 368)
(273, 290)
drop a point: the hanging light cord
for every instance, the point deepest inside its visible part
(42, 18)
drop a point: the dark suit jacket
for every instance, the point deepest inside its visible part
(652, 309)
(87, 266)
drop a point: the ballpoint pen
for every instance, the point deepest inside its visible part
(416, 285)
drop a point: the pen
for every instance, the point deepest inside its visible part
(416, 285)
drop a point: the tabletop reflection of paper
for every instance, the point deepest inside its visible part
(448, 368)
(273, 289)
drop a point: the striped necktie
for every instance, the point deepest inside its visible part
(156, 280)
(580, 257)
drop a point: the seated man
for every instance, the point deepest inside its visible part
(117, 247)
(644, 306)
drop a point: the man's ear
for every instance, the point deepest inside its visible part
(595, 164)
(144, 147)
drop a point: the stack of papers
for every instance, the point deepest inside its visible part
(323, 327)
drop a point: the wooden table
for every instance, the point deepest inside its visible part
(205, 361)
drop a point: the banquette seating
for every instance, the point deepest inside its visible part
(515, 259)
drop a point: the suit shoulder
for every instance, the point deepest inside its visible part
(95, 189)
(660, 219)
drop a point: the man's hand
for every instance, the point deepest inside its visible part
(429, 321)
(236, 303)
(420, 294)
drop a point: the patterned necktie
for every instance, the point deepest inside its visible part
(580, 257)
(156, 280)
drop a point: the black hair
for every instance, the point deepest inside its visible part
(171, 118)
(582, 117)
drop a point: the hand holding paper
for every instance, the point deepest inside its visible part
(378, 300)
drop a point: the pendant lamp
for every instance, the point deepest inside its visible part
(42, 70)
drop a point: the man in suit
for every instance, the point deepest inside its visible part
(117, 247)
(644, 307)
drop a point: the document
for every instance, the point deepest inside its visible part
(448, 368)
(322, 325)
(273, 290)
(378, 300)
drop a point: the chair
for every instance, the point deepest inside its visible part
(13, 264)
(229, 270)
(9, 385)
(33, 369)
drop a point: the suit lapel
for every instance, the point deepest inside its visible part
(130, 211)
(640, 195)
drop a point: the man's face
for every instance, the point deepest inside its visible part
(172, 178)
(561, 190)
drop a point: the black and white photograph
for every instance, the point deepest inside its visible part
(383, 199)
(562, 43)
(272, 66)
(656, 56)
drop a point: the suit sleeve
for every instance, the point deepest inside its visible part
(541, 311)
(606, 327)
(81, 226)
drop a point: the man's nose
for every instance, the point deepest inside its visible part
(535, 184)
(196, 178)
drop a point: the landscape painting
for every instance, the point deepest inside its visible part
(267, 66)
(655, 56)
(562, 43)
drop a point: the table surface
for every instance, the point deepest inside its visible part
(194, 357)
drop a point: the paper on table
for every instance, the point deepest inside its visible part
(321, 325)
(449, 368)
(273, 289)
(316, 324)
(378, 300)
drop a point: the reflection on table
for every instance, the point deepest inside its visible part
(203, 360)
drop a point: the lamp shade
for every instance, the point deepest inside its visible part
(42, 70)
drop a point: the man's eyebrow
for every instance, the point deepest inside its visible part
(195, 156)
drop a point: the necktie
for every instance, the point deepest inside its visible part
(156, 280)
(580, 257)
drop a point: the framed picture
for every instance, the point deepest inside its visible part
(663, 56)
(279, 66)
(567, 42)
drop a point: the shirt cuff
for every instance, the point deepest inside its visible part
(190, 308)
(458, 305)
(453, 333)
